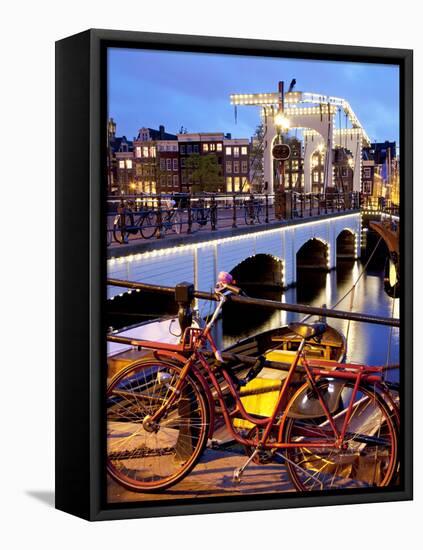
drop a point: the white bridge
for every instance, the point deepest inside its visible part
(271, 255)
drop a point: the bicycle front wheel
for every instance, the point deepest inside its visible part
(142, 459)
(148, 225)
(367, 457)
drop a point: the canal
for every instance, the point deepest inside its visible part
(370, 344)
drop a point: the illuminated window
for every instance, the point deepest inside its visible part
(218, 147)
(229, 166)
(121, 164)
(168, 164)
(145, 152)
(129, 164)
(236, 167)
(294, 165)
(175, 164)
(316, 177)
(138, 152)
(205, 147)
(152, 151)
(245, 184)
(228, 150)
(212, 147)
(229, 184)
(153, 187)
(244, 151)
(236, 151)
(244, 166)
(237, 184)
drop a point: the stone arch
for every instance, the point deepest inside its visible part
(260, 270)
(346, 244)
(313, 254)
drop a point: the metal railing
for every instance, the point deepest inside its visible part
(260, 302)
(134, 217)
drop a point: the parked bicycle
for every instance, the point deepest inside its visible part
(331, 426)
(252, 211)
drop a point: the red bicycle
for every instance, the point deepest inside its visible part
(336, 428)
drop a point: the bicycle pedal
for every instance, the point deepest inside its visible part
(237, 476)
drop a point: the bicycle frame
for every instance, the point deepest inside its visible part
(195, 339)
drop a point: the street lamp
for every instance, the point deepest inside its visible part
(281, 122)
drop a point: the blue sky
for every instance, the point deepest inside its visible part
(148, 88)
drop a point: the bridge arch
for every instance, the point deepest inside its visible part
(346, 244)
(313, 254)
(260, 271)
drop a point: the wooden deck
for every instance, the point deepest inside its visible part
(213, 477)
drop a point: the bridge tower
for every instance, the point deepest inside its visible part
(316, 114)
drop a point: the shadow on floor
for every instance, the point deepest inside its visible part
(46, 497)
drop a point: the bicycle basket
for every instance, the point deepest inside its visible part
(307, 403)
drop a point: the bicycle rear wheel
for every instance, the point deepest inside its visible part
(368, 457)
(145, 460)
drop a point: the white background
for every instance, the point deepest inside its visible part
(28, 32)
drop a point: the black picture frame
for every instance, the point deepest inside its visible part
(81, 271)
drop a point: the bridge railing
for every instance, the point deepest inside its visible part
(135, 217)
(378, 205)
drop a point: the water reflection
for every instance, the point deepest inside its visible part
(370, 344)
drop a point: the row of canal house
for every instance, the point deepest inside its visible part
(157, 161)
(160, 162)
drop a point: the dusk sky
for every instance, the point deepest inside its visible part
(149, 88)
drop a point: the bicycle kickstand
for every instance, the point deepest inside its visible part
(239, 471)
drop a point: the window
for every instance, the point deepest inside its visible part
(145, 152)
(152, 151)
(121, 164)
(245, 184)
(294, 165)
(182, 149)
(162, 164)
(236, 167)
(168, 164)
(196, 148)
(244, 166)
(236, 151)
(175, 164)
(367, 173)
(237, 183)
(138, 152)
(212, 147)
(229, 184)
(229, 166)
(244, 151)
(228, 150)
(316, 177)
(169, 181)
(344, 172)
(205, 147)
(189, 149)
(175, 181)
(218, 147)
(182, 163)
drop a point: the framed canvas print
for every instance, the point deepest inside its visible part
(233, 274)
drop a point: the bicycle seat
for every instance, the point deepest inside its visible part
(307, 331)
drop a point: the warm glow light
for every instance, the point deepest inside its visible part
(281, 121)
